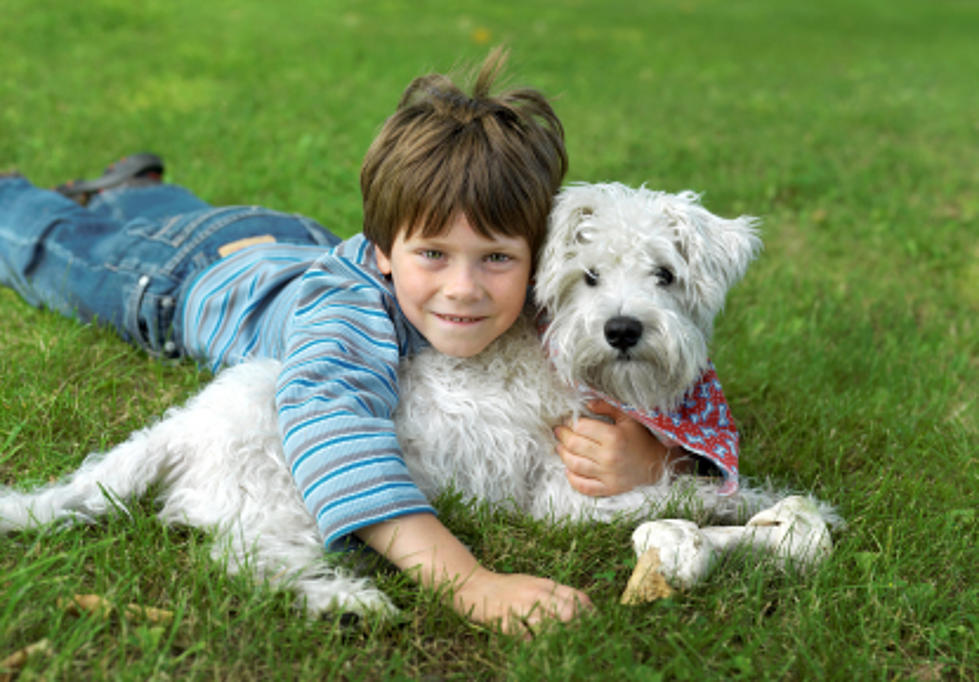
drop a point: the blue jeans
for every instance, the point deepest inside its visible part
(129, 256)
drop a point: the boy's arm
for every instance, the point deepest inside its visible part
(420, 545)
(336, 396)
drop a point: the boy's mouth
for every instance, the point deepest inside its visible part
(459, 319)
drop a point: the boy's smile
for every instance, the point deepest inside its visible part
(459, 289)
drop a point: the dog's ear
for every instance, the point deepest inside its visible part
(581, 234)
(569, 227)
(717, 250)
(569, 218)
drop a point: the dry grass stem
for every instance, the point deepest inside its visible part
(93, 603)
(15, 661)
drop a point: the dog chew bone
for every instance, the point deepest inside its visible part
(647, 582)
(793, 530)
(685, 553)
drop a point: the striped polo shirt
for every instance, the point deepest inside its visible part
(332, 319)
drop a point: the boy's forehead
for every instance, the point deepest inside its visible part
(457, 227)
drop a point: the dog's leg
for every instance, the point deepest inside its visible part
(297, 561)
(170, 448)
(274, 538)
(179, 446)
(124, 472)
(236, 485)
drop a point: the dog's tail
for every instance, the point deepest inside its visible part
(102, 483)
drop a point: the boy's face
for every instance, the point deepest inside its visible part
(459, 289)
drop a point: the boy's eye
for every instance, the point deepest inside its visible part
(498, 258)
(430, 254)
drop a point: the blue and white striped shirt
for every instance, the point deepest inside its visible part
(332, 319)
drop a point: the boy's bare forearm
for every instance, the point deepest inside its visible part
(420, 545)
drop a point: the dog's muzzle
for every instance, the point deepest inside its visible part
(623, 332)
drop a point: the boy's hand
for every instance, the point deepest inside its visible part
(420, 545)
(517, 603)
(607, 459)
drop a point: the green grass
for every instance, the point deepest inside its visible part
(850, 353)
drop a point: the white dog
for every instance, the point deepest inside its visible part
(630, 281)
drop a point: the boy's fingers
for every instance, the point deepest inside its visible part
(579, 439)
(592, 487)
(563, 603)
(597, 428)
(578, 463)
(603, 408)
(557, 603)
(568, 441)
(576, 599)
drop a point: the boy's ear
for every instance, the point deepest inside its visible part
(383, 262)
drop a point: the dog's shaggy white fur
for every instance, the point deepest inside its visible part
(651, 266)
(631, 280)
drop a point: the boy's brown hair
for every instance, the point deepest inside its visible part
(498, 159)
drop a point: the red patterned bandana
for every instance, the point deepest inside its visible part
(702, 424)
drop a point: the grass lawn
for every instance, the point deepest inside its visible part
(850, 353)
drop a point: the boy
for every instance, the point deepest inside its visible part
(456, 193)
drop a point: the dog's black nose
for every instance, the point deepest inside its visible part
(623, 332)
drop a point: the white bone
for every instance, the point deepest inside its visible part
(793, 530)
(685, 553)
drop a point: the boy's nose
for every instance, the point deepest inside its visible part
(462, 283)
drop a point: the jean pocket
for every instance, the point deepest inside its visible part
(150, 316)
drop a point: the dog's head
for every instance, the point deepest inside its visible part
(632, 280)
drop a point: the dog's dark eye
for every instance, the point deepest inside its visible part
(591, 277)
(664, 276)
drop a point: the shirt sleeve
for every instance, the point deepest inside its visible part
(336, 397)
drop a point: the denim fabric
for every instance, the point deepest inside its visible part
(127, 258)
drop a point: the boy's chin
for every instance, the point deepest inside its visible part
(460, 348)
